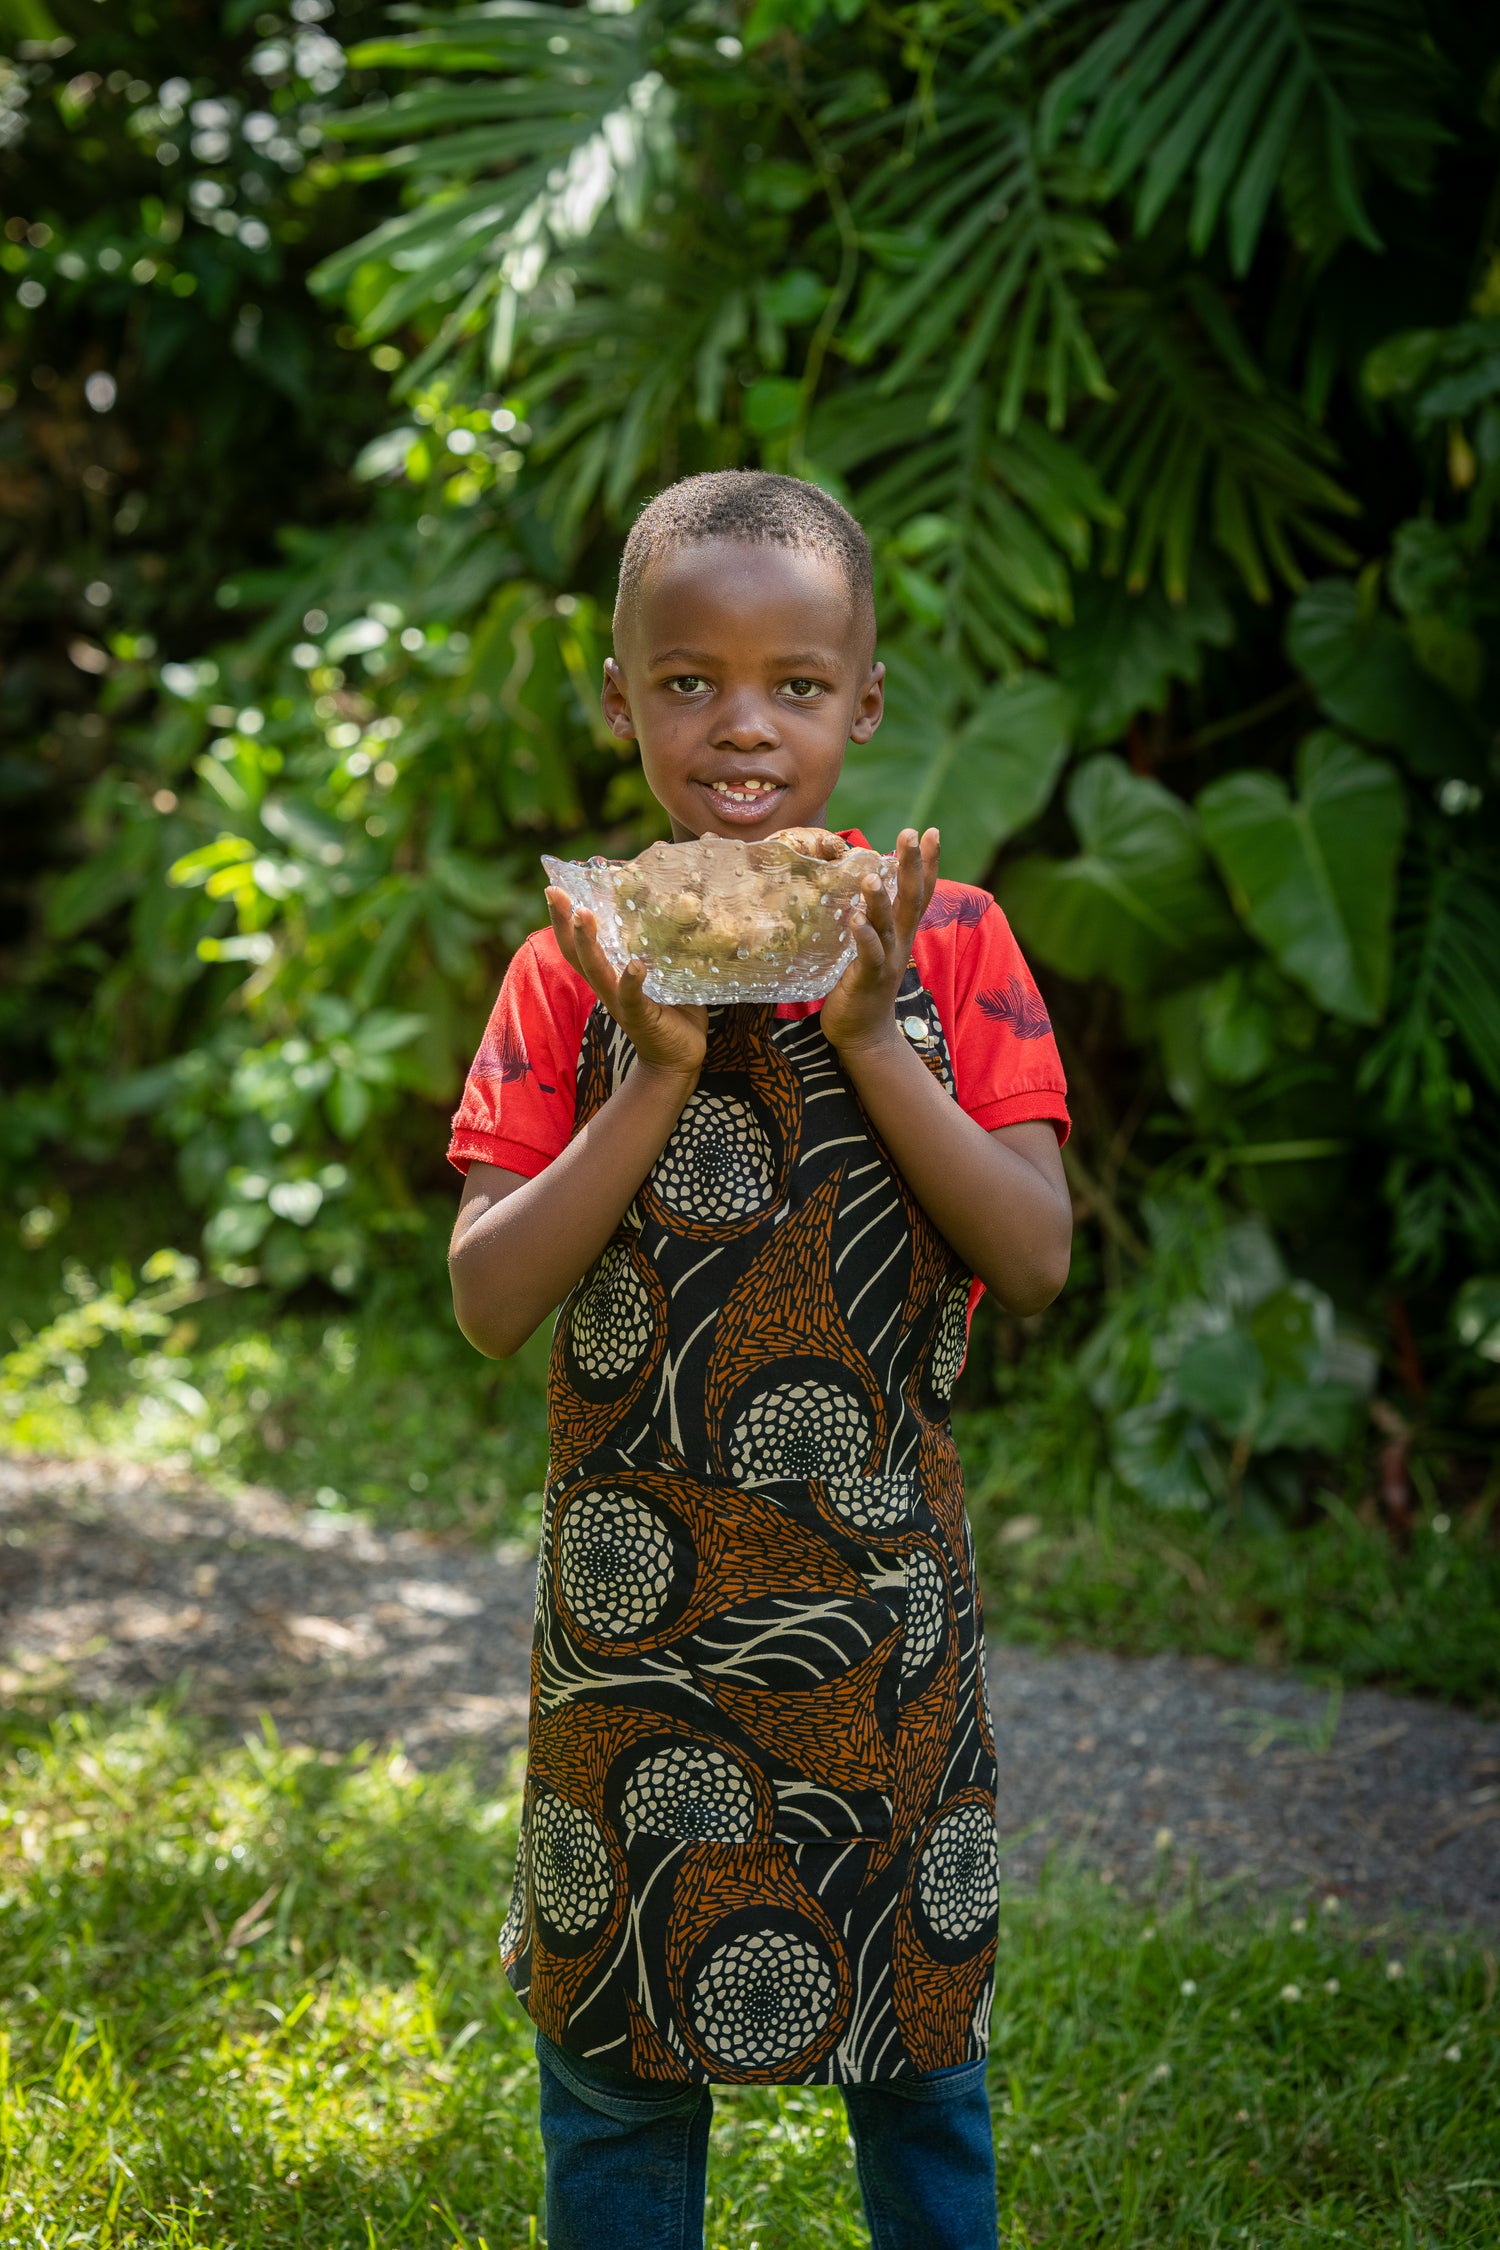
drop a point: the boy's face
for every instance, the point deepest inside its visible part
(742, 671)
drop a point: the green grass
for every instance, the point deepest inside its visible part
(376, 1404)
(379, 1405)
(354, 2074)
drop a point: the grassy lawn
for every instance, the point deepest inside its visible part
(251, 1998)
(379, 1405)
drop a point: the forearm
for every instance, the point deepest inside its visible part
(515, 1257)
(1009, 1222)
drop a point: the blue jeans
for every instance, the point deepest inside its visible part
(627, 2158)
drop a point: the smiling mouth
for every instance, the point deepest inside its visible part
(746, 801)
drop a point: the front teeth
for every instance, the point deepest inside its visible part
(751, 790)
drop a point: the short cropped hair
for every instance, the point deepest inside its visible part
(756, 506)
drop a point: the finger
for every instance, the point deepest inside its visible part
(869, 947)
(911, 898)
(631, 1004)
(560, 908)
(877, 909)
(931, 852)
(593, 961)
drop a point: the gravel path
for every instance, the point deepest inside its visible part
(115, 1583)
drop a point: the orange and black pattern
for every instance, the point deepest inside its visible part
(759, 1837)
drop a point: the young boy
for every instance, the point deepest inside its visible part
(759, 1834)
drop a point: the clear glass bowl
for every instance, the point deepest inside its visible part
(725, 923)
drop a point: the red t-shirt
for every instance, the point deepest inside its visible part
(517, 1107)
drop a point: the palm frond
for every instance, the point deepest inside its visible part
(1443, 989)
(501, 174)
(996, 520)
(1201, 446)
(1245, 97)
(991, 238)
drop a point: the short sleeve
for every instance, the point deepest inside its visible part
(1005, 1061)
(518, 1099)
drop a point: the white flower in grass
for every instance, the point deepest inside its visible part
(1395, 1971)
(1453, 2054)
(1162, 2070)
(1330, 1984)
(1291, 1992)
(1187, 1988)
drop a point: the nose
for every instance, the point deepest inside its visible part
(747, 721)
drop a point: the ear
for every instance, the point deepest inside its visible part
(614, 701)
(870, 708)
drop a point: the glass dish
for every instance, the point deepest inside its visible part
(725, 923)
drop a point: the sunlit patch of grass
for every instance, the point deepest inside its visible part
(251, 1999)
(375, 1404)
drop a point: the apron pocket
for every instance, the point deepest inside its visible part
(810, 1685)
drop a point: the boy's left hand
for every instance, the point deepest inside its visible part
(860, 1010)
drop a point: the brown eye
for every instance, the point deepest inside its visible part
(687, 683)
(803, 691)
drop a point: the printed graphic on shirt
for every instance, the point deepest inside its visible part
(503, 1059)
(1018, 1004)
(956, 902)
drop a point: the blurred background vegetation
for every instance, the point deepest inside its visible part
(1157, 345)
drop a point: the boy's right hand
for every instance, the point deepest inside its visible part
(669, 1039)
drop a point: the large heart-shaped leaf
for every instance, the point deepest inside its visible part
(978, 780)
(1364, 675)
(1315, 877)
(1139, 903)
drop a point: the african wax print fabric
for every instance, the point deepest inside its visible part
(758, 1841)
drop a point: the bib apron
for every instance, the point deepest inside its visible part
(758, 1837)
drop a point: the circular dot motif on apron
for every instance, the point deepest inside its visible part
(799, 1430)
(718, 1163)
(958, 1875)
(570, 1869)
(615, 1558)
(691, 1793)
(613, 1319)
(762, 1997)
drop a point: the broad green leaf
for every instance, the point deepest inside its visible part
(1364, 675)
(1314, 876)
(1299, 1416)
(1139, 904)
(978, 781)
(1158, 1451)
(385, 1030)
(1223, 1377)
(771, 405)
(471, 884)
(348, 1104)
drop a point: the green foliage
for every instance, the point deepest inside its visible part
(1249, 98)
(1214, 1357)
(1139, 902)
(979, 782)
(1314, 876)
(254, 1997)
